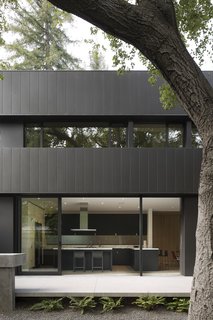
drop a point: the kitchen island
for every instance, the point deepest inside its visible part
(68, 254)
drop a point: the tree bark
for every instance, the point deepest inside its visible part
(148, 29)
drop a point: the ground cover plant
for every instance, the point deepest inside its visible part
(178, 304)
(110, 304)
(83, 304)
(48, 305)
(149, 302)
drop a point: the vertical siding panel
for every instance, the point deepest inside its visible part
(189, 172)
(70, 170)
(1, 170)
(61, 93)
(116, 171)
(52, 92)
(34, 170)
(197, 159)
(135, 170)
(25, 170)
(7, 170)
(43, 93)
(34, 93)
(125, 169)
(170, 175)
(98, 171)
(179, 170)
(107, 169)
(52, 170)
(1, 95)
(43, 170)
(16, 93)
(79, 169)
(161, 172)
(88, 170)
(61, 170)
(144, 169)
(15, 172)
(7, 93)
(25, 92)
(153, 171)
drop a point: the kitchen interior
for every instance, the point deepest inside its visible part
(101, 234)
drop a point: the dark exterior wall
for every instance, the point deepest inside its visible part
(188, 228)
(79, 93)
(11, 135)
(6, 225)
(99, 171)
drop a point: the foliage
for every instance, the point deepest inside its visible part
(41, 40)
(110, 304)
(82, 304)
(178, 304)
(48, 305)
(149, 302)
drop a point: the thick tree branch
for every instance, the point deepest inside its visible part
(147, 29)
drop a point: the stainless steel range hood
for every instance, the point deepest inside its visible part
(83, 219)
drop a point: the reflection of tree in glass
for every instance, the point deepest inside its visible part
(32, 137)
(150, 136)
(175, 136)
(118, 137)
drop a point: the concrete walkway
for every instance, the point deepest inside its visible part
(103, 284)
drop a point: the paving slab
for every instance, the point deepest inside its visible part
(102, 285)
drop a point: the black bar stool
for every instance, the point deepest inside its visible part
(78, 260)
(97, 260)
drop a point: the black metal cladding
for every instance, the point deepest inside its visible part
(99, 171)
(26, 95)
(79, 93)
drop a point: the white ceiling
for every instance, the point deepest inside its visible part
(119, 205)
(106, 205)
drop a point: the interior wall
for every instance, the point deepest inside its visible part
(166, 234)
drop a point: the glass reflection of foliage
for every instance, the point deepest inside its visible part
(196, 139)
(32, 136)
(75, 136)
(118, 137)
(158, 135)
(51, 221)
(149, 135)
(175, 136)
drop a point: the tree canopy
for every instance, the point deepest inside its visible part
(40, 41)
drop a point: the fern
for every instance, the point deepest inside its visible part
(110, 304)
(48, 305)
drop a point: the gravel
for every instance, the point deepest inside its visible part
(126, 313)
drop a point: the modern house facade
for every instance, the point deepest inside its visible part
(94, 174)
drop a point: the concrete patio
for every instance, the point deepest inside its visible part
(104, 284)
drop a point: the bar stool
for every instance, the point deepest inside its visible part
(97, 260)
(78, 260)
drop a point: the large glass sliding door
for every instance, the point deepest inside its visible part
(40, 234)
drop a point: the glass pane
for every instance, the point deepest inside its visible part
(196, 139)
(32, 136)
(150, 135)
(83, 137)
(39, 234)
(175, 136)
(118, 137)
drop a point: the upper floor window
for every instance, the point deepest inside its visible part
(196, 139)
(78, 135)
(158, 135)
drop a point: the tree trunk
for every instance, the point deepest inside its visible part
(201, 306)
(149, 29)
